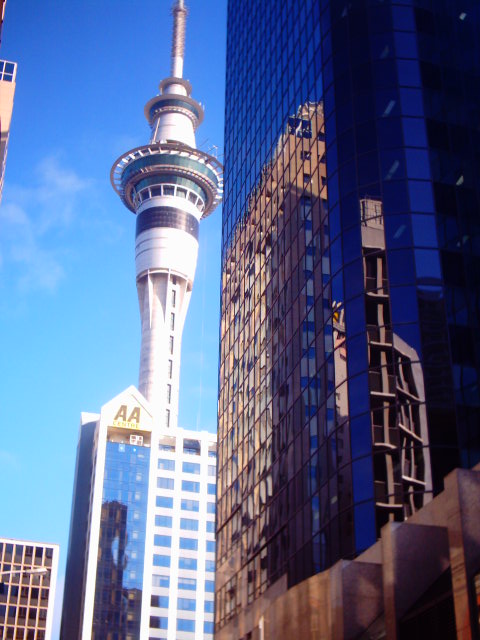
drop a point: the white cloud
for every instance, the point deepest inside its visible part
(32, 217)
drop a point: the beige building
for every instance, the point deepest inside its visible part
(28, 573)
(8, 73)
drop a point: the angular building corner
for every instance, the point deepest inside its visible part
(141, 556)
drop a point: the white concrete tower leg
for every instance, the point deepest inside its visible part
(163, 300)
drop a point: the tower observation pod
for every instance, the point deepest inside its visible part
(170, 186)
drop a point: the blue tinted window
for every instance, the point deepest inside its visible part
(210, 527)
(166, 465)
(164, 501)
(209, 565)
(210, 507)
(187, 563)
(189, 584)
(211, 489)
(188, 524)
(185, 625)
(211, 546)
(190, 505)
(163, 521)
(158, 623)
(189, 543)
(160, 581)
(208, 627)
(189, 485)
(160, 601)
(162, 541)
(186, 604)
(191, 467)
(210, 586)
(165, 483)
(209, 606)
(161, 561)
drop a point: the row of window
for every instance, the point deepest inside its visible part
(188, 544)
(169, 190)
(187, 524)
(157, 622)
(187, 467)
(187, 485)
(186, 505)
(192, 447)
(183, 604)
(188, 584)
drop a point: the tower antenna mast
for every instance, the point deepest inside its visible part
(178, 40)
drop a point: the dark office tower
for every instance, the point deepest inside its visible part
(351, 270)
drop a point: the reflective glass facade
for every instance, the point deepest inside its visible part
(349, 360)
(121, 549)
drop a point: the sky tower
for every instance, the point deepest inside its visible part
(141, 556)
(170, 186)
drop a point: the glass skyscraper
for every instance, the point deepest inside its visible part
(349, 360)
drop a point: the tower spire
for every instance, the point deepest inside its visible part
(178, 39)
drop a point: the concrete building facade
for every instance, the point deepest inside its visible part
(28, 575)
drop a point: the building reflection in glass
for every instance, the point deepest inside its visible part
(322, 424)
(118, 592)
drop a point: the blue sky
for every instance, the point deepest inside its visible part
(70, 331)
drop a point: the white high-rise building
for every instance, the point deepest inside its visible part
(141, 553)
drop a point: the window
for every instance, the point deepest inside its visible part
(166, 447)
(162, 541)
(187, 583)
(189, 485)
(170, 342)
(212, 470)
(211, 489)
(165, 483)
(208, 626)
(170, 368)
(161, 561)
(164, 501)
(159, 601)
(189, 543)
(163, 521)
(187, 563)
(212, 454)
(160, 581)
(186, 604)
(209, 565)
(191, 467)
(209, 606)
(191, 446)
(190, 505)
(173, 298)
(210, 546)
(158, 623)
(210, 507)
(210, 586)
(188, 524)
(172, 322)
(166, 465)
(185, 625)
(169, 392)
(305, 155)
(210, 527)
(167, 418)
